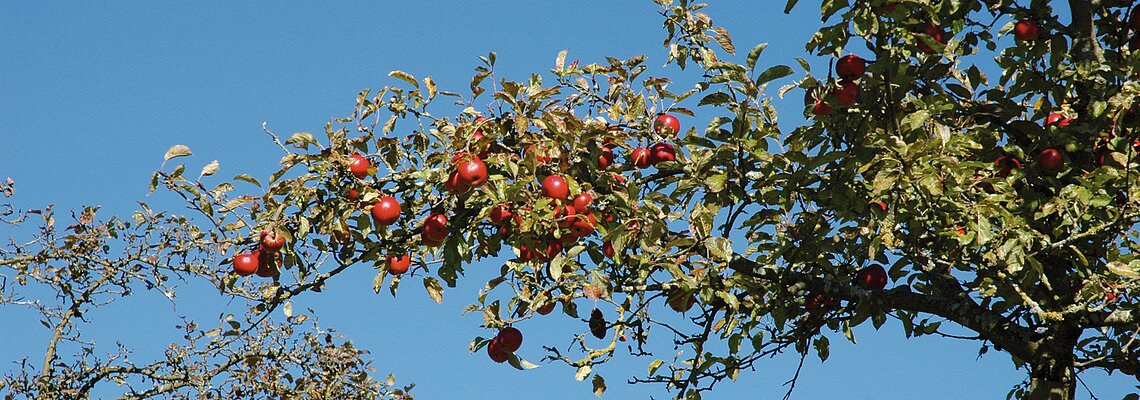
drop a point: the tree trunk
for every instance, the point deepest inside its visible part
(1052, 388)
(1051, 375)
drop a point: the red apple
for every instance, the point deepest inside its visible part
(399, 264)
(873, 277)
(582, 201)
(584, 225)
(542, 155)
(268, 265)
(435, 227)
(880, 205)
(640, 157)
(935, 32)
(386, 211)
(353, 194)
(359, 166)
(607, 158)
(501, 214)
(478, 123)
(271, 241)
(555, 187)
(497, 354)
(473, 172)
(1026, 30)
(246, 264)
(667, 124)
(456, 185)
(821, 108)
(850, 67)
(545, 309)
(1005, 165)
(509, 339)
(847, 93)
(1051, 160)
(1134, 19)
(1057, 119)
(661, 152)
(608, 249)
(681, 301)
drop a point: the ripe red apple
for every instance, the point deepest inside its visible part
(1026, 30)
(386, 211)
(501, 214)
(553, 248)
(509, 339)
(821, 108)
(359, 166)
(667, 124)
(399, 264)
(661, 152)
(565, 215)
(873, 277)
(353, 194)
(640, 157)
(1051, 160)
(818, 302)
(525, 253)
(850, 67)
(935, 32)
(435, 228)
(245, 264)
(555, 187)
(473, 172)
(584, 225)
(455, 185)
(267, 265)
(541, 155)
(545, 309)
(478, 123)
(607, 158)
(1058, 120)
(847, 93)
(497, 355)
(271, 241)
(582, 201)
(608, 249)
(1005, 165)
(681, 301)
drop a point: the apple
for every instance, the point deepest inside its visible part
(582, 201)
(817, 302)
(245, 264)
(501, 214)
(935, 32)
(821, 108)
(1006, 164)
(353, 194)
(565, 215)
(1134, 19)
(473, 172)
(1026, 30)
(497, 355)
(399, 264)
(455, 185)
(541, 155)
(525, 253)
(881, 205)
(478, 123)
(873, 277)
(271, 241)
(267, 267)
(850, 67)
(359, 166)
(435, 229)
(386, 211)
(546, 309)
(584, 226)
(1134, 42)
(555, 187)
(553, 248)
(847, 93)
(667, 124)
(509, 339)
(640, 157)
(607, 158)
(608, 249)
(1057, 119)
(661, 152)
(1051, 160)
(681, 301)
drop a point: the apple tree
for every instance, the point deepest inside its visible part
(964, 165)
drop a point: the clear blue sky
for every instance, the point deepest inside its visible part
(92, 94)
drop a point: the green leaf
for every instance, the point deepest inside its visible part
(754, 55)
(653, 366)
(248, 179)
(822, 348)
(773, 73)
(176, 151)
(404, 76)
(717, 98)
(719, 247)
(1118, 268)
(435, 291)
(302, 138)
(560, 62)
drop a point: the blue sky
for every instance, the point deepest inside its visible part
(92, 94)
